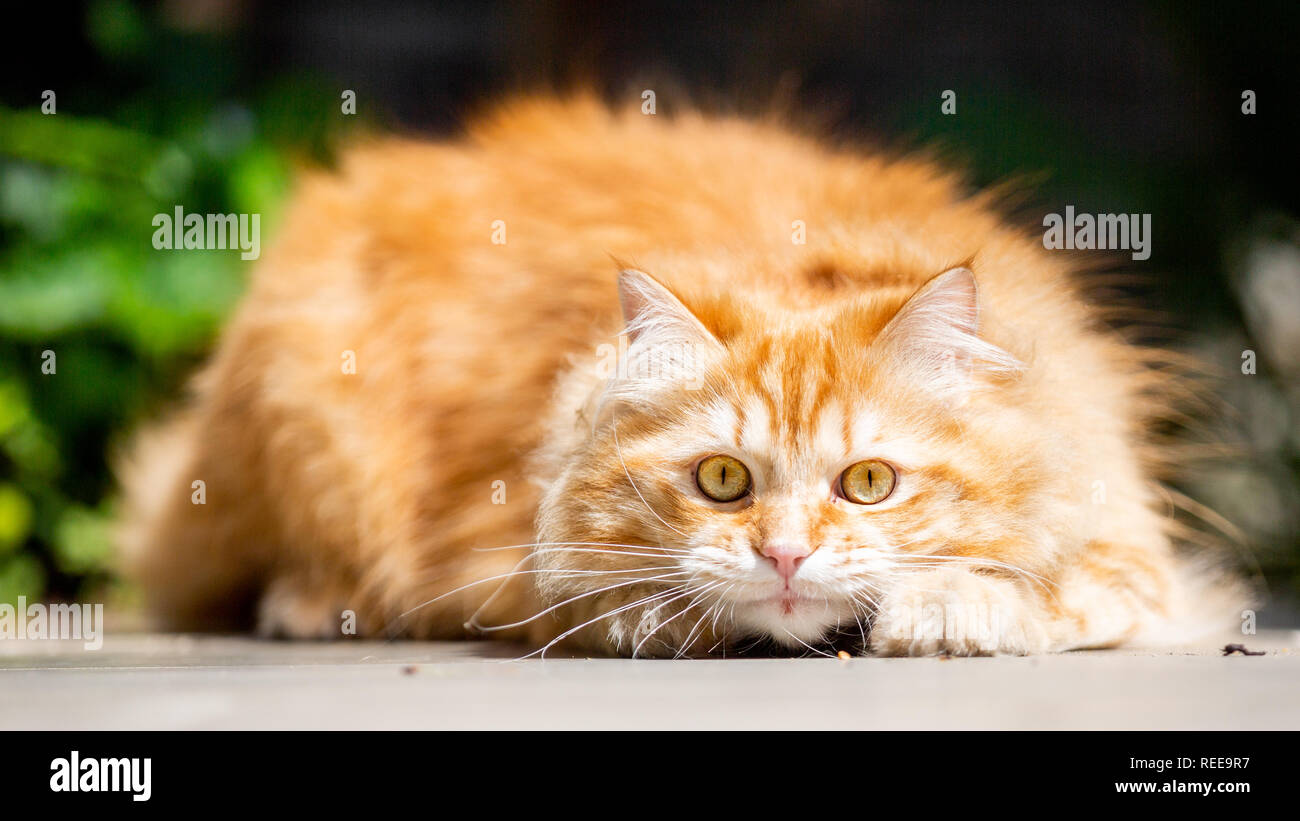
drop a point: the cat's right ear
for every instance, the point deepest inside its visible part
(654, 316)
(935, 335)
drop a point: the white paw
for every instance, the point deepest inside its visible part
(290, 612)
(956, 612)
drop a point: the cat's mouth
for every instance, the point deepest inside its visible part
(796, 617)
(786, 601)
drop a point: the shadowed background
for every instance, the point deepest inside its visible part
(1109, 107)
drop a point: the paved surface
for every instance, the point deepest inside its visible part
(175, 682)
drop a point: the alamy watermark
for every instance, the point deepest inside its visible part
(77, 774)
(211, 232)
(53, 621)
(1103, 232)
(962, 622)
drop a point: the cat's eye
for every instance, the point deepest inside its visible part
(867, 483)
(722, 478)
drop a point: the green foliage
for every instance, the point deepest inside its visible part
(98, 328)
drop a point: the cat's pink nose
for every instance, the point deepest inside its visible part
(787, 557)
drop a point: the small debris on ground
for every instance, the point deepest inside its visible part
(1229, 649)
(410, 670)
(843, 655)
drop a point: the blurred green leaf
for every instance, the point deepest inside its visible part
(21, 575)
(90, 146)
(258, 181)
(13, 406)
(82, 540)
(15, 517)
(50, 294)
(34, 451)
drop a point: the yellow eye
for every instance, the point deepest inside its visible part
(722, 478)
(867, 483)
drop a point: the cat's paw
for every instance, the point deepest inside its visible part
(291, 609)
(956, 612)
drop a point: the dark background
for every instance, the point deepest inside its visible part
(1109, 107)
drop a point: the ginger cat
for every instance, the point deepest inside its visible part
(662, 387)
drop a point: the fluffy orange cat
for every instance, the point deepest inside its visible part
(661, 387)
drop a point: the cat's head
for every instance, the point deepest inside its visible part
(760, 472)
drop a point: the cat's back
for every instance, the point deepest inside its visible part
(544, 191)
(526, 216)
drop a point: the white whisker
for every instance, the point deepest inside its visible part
(616, 611)
(714, 609)
(809, 646)
(690, 636)
(513, 573)
(636, 651)
(580, 544)
(606, 589)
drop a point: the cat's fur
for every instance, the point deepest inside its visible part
(1026, 502)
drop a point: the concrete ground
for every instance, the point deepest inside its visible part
(185, 682)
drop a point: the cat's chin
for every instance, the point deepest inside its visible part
(790, 621)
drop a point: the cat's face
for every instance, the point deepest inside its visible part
(759, 474)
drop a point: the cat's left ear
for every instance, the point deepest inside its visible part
(935, 335)
(667, 345)
(653, 316)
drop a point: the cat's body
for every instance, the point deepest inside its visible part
(481, 394)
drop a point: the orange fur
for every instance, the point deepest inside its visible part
(477, 362)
